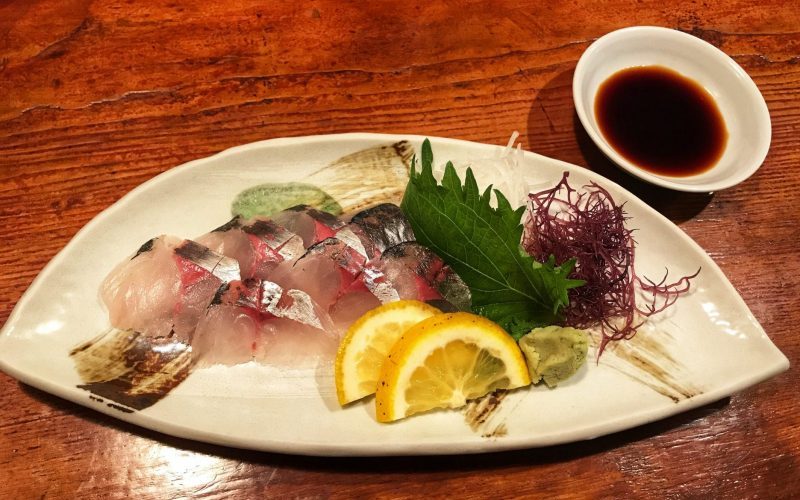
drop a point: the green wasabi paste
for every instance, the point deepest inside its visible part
(267, 199)
(554, 353)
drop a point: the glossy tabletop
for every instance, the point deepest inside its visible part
(96, 97)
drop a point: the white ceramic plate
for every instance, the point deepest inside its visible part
(705, 348)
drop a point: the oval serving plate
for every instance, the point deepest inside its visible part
(706, 347)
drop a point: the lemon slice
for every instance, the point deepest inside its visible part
(445, 361)
(368, 341)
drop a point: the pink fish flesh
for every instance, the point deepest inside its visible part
(384, 225)
(165, 287)
(258, 244)
(412, 271)
(259, 321)
(310, 224)
(279, 291)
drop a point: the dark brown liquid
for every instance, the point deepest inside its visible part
(661, 121)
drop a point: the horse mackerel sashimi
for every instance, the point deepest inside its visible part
(258, 244)
(164, 288)
(262, 322)
(278, 291)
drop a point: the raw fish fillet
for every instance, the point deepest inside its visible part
(329, 273)
(351, 306)
(228, 335)
(279, 291)
(269, 300)
(302, 333)
(141, 292)
(309, 223)
(295, 345)
(260, 321)
(412, 271)
(328, 270)
(331, 268)
(384, 226)
(164, 288)
(357, 239)
(346, 276)
(293, 304)
(348, 258)
(258, 244)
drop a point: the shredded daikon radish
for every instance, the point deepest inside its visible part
(502, 170)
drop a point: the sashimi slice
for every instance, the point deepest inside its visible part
(229, 240)
(412, 271)
(316, 274)
(290, 344)
(165, 287)
(261, 321)
(285, 243)
(351, 306)
(207, 262)
(357, 239)
(302, 333)
(140, 293)
(258, 244)
(309, 223)
(267, 300)
(296, 305)
(228, 335)
(384, 225)
(348, 257)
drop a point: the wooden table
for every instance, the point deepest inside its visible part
(98, 96)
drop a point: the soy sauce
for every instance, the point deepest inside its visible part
(661, 121)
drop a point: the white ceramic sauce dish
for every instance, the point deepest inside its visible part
(739, 101)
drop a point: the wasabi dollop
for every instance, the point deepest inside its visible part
(269, 199)
(554, 353)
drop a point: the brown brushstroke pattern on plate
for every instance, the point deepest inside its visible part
(374, 175)
(646, 359)
(479, 414)
(131, 369)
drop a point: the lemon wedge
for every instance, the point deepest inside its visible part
(367, 342)
(443, 362)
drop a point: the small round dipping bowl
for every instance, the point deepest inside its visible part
(741, 104)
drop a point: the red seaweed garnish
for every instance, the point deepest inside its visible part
(589, 226)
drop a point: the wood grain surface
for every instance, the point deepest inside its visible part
(98, 96)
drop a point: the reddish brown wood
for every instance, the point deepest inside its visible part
(98, 96)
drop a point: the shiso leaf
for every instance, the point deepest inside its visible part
(482, 244)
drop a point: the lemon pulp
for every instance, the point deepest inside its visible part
(367, 343)
(444, 361)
